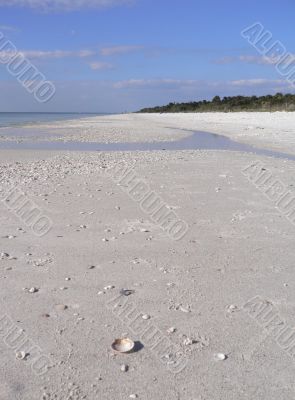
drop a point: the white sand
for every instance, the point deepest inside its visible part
(238, 246)
(266, 130)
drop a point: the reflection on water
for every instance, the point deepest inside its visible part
(197, 141)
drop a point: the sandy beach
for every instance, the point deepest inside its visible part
(273, 131)
(206, 276)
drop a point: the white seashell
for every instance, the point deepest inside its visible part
(184, 309)
(33, 290)
(20, 355)
(133, 396)
(231, 308)
(124, 368)
(4, 255)
(188, 342)
(61, 307)
(123, 345)
(109, 287)
(171, 330)
(145, 316)
(220, 357)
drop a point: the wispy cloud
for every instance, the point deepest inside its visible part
(64, 5)
(100, 66)
(258, 82)
(8, 28)
(195, 84)
(154, 83)
(39, 54)
(258, 60)
(117, 50)
(83, 53)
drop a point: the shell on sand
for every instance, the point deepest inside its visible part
(123, 345)
(20, 355)
(220, 357)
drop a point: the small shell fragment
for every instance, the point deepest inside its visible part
(124, 368)
(220, 357)
(171, 330)
(20, 355)
(184, 309)
(123, 345)
(109, 287)
(33, 290)
(231, 308)
(61, 307)
(145, 316)
(126, 292)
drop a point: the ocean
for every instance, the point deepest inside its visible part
(22, 119)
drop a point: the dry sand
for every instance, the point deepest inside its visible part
(238, 246)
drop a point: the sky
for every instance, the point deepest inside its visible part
(122, 55)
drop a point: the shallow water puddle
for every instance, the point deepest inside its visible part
(197, 141)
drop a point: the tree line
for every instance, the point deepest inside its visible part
(277, 102)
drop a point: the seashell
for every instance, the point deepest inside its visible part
(171, 330)
(220, 357)
(61, 307)
(184, 309)
(4, 255)
(231, 308)
(124, 368)
(109, 287)
(33, 290)
(123, 345)
(133, 396)
(126, 292)
(145, 316)
(20, 355)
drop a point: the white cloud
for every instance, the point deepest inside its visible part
(258, 82)
(115, 50)
(8, 28)
(63, 5)
(39, 54)
(179, 84)
(154, 83)
(258, 60)
(100, 66)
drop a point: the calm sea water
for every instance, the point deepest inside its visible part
(22, 119)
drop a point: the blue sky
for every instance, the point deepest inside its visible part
(120, 55)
